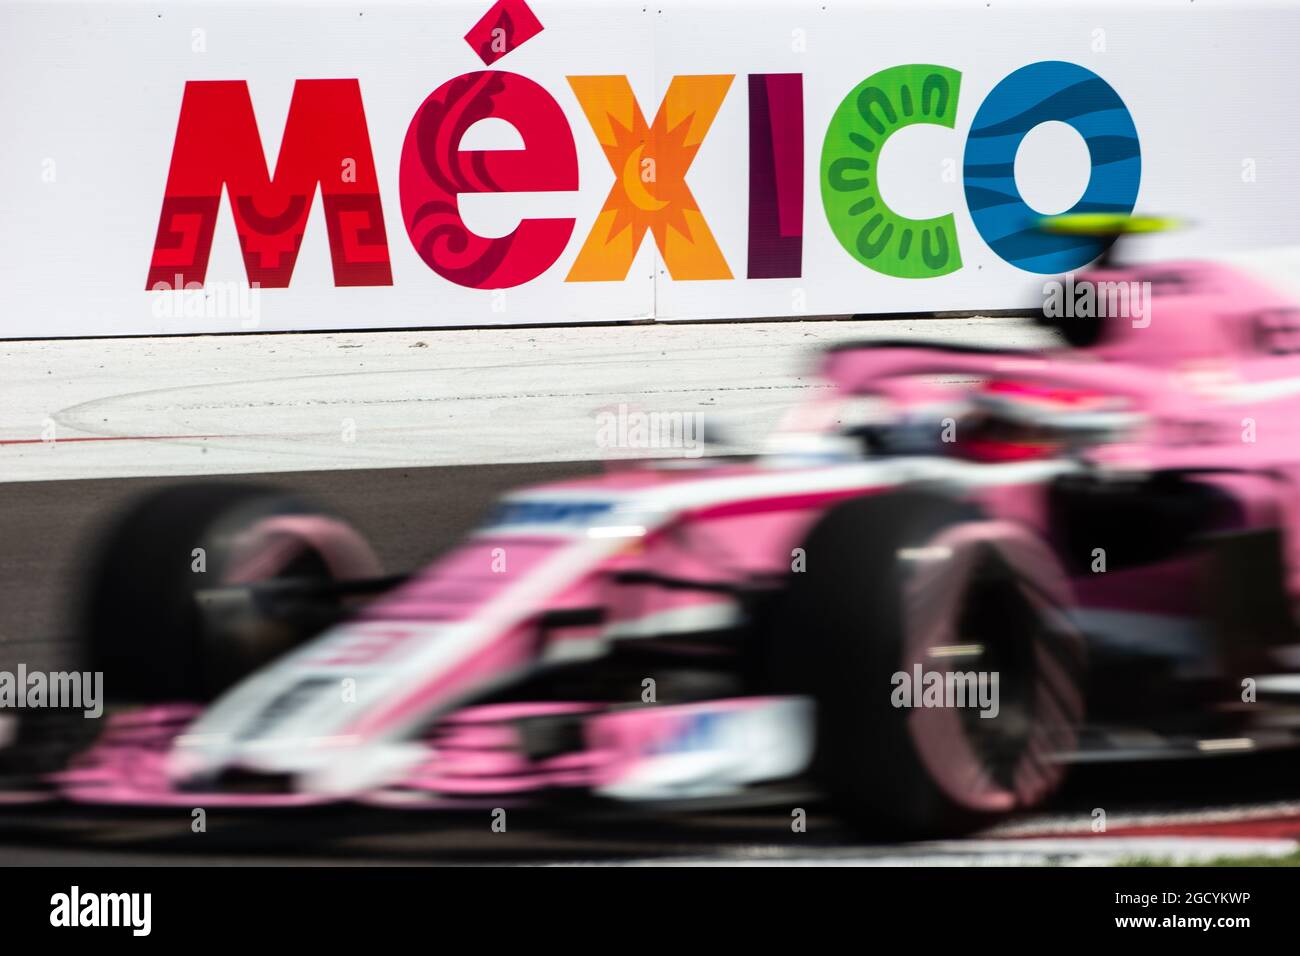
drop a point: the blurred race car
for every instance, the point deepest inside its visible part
(939, 587)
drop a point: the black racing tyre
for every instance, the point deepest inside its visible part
(147, 620)
(910, 579)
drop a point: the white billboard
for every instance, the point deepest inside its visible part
(216, 166)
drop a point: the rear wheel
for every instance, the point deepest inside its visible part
(911, 605)
(175, 607)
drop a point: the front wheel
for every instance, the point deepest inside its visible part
(937, 645)
(171, 611)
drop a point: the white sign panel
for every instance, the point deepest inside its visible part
(214, 166)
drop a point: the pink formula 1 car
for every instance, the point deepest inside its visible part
(941, 586)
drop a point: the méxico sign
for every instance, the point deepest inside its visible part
(325, 143)
(473, 163)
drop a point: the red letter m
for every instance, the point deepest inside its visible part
(325, 141)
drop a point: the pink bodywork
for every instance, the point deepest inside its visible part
(127, 765)
(1213, 353)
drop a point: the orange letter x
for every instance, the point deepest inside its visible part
(650, 165)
